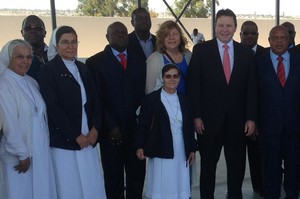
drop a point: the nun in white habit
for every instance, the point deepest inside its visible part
(26, 169)
(74, 119)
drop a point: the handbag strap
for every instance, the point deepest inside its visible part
(170, 58)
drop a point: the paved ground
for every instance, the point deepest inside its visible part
(221, 187)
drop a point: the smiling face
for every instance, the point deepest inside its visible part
(20, 60)
(33, 30)
(225, 28)
(172, 39)
(170, 80)
(249, 35)
(67, 46)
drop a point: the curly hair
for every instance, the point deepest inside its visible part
(163, 32)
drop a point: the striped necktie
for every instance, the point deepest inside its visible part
(280, 71)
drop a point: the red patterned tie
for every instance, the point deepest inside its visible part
(123, 60)
(226, 63)
(280, 71)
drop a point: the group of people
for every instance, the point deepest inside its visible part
(144, 97)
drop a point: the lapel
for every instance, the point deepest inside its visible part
(294, 63)
(63, 70)
(113, 62)
(217, 60)
(270, 70)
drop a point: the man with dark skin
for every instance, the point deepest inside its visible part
(292, 33)
(279, 115)
(141, 40)
(33, 31)
(121, 90)
(249, 36)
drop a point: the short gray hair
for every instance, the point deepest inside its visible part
(17, 42)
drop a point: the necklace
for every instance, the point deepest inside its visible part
(31, 97)
(171, 107)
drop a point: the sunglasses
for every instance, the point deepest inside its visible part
(249, 33)
(176, 76)
(28, 28)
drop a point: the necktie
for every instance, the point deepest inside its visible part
(280, 71)
(226, 63)
(123, 60)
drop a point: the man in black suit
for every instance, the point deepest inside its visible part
(279, 115)
(224, 101)
(33, 31)
(249, 36)
(141, 41)
(120, 84)
(292, 33)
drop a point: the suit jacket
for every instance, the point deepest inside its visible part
(260, 50)
(153, 132)
(120, 91)
(279, 108)
(62, 96)
(135, 46)
(211, 97)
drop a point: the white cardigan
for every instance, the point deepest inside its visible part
(155, 63)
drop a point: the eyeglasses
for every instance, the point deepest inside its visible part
(249, 33)
(22, 57)
(66, 43)
(168, 76)
(28, 28)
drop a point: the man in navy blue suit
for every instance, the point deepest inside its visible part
(120, 84)
(279, 115)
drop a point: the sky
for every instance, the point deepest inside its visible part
(238, 6)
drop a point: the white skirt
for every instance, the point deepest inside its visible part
(169, 178)
(78, 173)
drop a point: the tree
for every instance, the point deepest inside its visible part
(197, 8)
(108, 7)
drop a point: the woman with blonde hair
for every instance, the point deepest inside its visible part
(171, 48)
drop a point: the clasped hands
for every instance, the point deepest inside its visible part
(89, 139)
(115, 136)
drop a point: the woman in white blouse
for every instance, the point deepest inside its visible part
(74, 119)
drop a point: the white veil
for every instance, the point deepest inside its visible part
(4, 57)
(52, 45)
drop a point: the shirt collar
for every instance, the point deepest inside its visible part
(230, 43)
(115, 52)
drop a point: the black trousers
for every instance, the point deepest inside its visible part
(255, 165)
(115, 161)
(210, 146)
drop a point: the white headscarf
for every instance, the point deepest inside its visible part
(52, 45)
(4, 57)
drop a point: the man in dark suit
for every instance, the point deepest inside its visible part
(120, 84)
(33, 31)
(249, 36)
(141, 41)
(292, 33)
(279, 115)
(224, 101)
